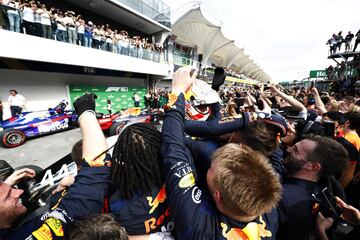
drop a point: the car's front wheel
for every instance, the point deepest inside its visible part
(12, 138)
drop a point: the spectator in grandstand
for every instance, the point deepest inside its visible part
(3, 15)
(69, 21)
(348, 40)
(102, 37)
(17, 102)
(28, 18)
(14, 16)
(37, 19)
(88, 34)
(133, 48)
(96, 37)
(357, 40)
(117, 42)
(61, 28)
(80, 29)
(126, 43)
(53, 14)
(45, 19)
(332, 43)
(339, 40)
(108, 45)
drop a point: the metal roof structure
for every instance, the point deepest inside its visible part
(195, 30)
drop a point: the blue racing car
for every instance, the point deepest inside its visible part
(15, 131)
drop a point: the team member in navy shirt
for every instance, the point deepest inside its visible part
(242, 186)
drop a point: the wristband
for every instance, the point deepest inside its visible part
(87, 111)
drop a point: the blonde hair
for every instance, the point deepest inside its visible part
(335, 105)
(355, 108)
(246, 181)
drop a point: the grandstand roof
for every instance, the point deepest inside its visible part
(195, 30)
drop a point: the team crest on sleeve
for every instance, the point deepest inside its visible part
(56, 226)
(43, 233)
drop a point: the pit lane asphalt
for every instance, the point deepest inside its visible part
(41, 151)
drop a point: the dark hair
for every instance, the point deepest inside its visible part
(325, 99)
(135, 160)
(354, 120)
(336, 116)
(331, 155)
(260, 136)
(76, 152)
(349, 99)
(304, 127)
(97, 227)
(13, 90)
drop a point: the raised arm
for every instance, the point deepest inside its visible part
(291, 100)
(318, 102)
(179, 171)
(216, 127)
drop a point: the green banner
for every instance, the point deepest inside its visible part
(317, 73)
(120, 97)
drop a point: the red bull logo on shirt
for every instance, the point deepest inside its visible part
(160, 198)
(252, 231)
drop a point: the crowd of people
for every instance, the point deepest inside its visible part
(156, 99)
(336, 41)
(34, 18)
(257, 168)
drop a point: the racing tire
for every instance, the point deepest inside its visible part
(10, 138)
(115, 129)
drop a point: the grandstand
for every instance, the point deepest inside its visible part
(46, 71)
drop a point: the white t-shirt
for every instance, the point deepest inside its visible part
(17, 100)
(28, 14)
(137, 98)
(70, 21)
(60, 26)
(80, 28)
(45, 19)
(37, 17)
(13, 5)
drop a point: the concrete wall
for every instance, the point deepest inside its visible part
(43, 90)
(28, 47)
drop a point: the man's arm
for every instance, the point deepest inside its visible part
(318, 102)
(291, 100)
(179, 171)
(86, 195)
(216, 127)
